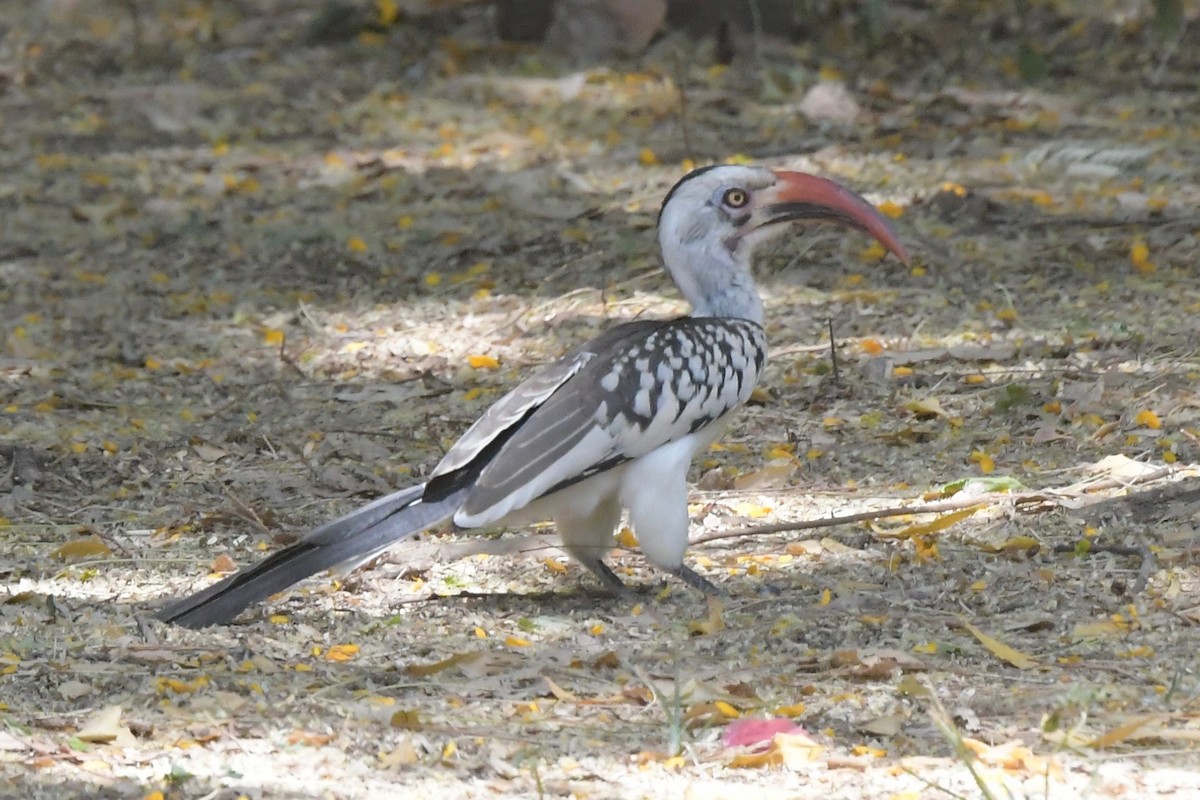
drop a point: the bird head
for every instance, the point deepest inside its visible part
(714, 217)
(736, 207)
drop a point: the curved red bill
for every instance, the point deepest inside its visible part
(799, 196)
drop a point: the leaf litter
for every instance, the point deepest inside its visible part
(250, 284)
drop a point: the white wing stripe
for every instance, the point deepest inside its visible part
(587, 452)
(534, 464)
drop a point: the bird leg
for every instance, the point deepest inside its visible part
(697, 581)
(588, 537)
(597, 567)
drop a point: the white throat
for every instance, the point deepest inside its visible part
(714, 280)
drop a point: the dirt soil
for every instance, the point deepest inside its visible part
(250, 281)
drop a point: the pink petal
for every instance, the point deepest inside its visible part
(746, 732)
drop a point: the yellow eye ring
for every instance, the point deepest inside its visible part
(735, 198)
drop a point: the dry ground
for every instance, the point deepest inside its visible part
(248, 283)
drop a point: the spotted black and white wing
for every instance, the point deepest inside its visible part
(470, 454)
(632, 390)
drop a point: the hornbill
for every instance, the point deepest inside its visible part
(614, 423)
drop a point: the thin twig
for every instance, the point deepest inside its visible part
(929, 784)
(847, 519)
(287, 360)
(1046, 496)
(833, 359)
(1142, 552)
(245, 511)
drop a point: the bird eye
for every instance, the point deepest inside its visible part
(735, 198)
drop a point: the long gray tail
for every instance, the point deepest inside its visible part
(345, 542)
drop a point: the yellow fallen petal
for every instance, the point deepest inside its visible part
(890, 209)
(483, 361)
(626, 538)
(1148, 419)
(342, 652)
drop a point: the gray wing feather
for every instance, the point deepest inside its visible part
(510, 410)
(532, 394)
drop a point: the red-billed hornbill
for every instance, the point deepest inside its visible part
(613, 424)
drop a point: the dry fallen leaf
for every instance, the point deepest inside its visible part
(925, 408)
(223, 565)
(73, 690)
(208, 452)
(90, 547)
(558, 691)
(341, 652)
(1134, 728)
(888, 725)
(104, 727)
(230, 702)
(773, 474)
(1099, 629)
(1000, 649)
(1012, 756)
(459, 660)
(790, 749)
(752, 510)
(713, 623)
(406, 719)
(933, 526)
(875, 663)
(9, 743)
(404, 754)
